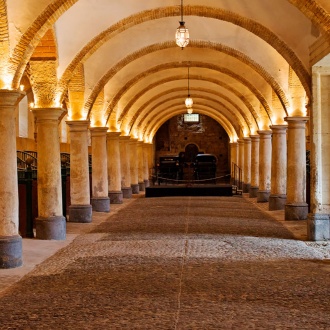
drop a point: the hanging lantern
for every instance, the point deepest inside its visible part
(182, 33)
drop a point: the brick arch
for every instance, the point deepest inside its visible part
(161, 67)
(198, 44)
(172, 111)
(31, 38)
(313, 11)
(209, 12)
(24, 49)
(144, 126)
(138, 113)
(4, 45)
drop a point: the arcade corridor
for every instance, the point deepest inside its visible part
(174, 263)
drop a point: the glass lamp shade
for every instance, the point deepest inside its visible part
(182, 35)
(189, 102)
(190, 111)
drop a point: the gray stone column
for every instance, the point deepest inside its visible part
(254, 166)
(296, 207)
(265, 158)
(318, 223)
(140, 165)
(240, 159)
(247, 165)
(100, 198)
(133, 154)
(114, 172)
(10, 240)
(146, 164)
(80, 209)
(277, 198)
(125, 166)
(50, 223)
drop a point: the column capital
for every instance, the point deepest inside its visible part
(299, 119)
(43, 114)
(279, 128)
(10, 97)
(247, 139)
(98, 131)
(240, 141)
(78, 125)
(113, 135)
(255, 138)
(133, 140)
(124, 138)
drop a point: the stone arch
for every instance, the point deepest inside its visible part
(216, 13)
(200, 44)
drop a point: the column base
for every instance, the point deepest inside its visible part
(318, 227)
(101, 204)
(253, 192)
(141, 186)
(52, 228)
(10, 251)
(146, 183)
(135, 188)
(246, 187)
(277, 202)
(116, 197)
(263, 196)
(296, 211)
(127, 192)
(80, 213)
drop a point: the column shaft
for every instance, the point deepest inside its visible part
(133, 156)
(265, 157)
(254, 166)
(140, 161)
(146, 165)
(100, 199)
(277, 198)
(296, 207)
(114, 172)
(80, 209)
(125, 166)
(10, 240)
(318, 224)
(247, 165)
(50, 223)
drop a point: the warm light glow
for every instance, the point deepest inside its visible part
(182, 35)
(190, 111)
(31, 105)
(21, 87)
(189, 102)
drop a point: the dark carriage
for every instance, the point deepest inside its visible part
(168, 169)
(205, 167)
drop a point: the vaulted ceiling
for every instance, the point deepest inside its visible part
(117, 64)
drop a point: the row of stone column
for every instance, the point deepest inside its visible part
(114, 175)
(274, 166)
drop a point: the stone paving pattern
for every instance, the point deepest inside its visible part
(177, 263)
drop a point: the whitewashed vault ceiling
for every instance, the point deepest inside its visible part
(250, 60)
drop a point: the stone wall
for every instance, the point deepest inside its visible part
(209, 136)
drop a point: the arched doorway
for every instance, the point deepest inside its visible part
(190, 152)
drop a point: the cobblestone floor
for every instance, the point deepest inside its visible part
(178, 263)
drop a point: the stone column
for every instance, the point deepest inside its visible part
(140, 165)
(265, 158)
(146, 165)
(133, 154)
(10, 240)
(296, 207)
(114, 172)
(50, 223)
(100, 199)
(233, 156)
(125, 166)
(247, 165)
(277, 198)
(318, 223)
(240, 161)
(80, 209)
(254, 166)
